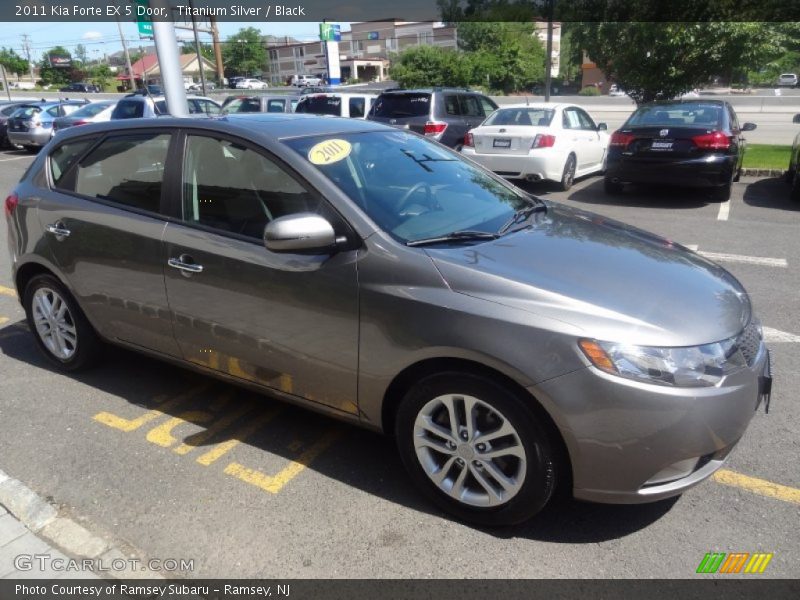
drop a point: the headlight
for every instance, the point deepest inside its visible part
(694, 366)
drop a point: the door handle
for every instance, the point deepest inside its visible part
(58, 230)
(182, 264)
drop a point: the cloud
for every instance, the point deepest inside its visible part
(92, 35)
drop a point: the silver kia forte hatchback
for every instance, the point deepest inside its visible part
(511, 346)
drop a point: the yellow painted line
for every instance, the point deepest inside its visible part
(3, 320)
(275, 483)
(237, 438)
(758, 563)
(112, 420)
(7, 291)
(762, 487)
(162, 434)
(200, 438)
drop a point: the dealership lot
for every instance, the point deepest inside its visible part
(177, 465)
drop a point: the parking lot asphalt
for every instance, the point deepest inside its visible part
(177, 465)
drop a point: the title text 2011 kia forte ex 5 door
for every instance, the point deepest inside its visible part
(510, 345)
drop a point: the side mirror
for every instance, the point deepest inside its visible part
(748, 126)
(301, 232)
(796, 119)
(602, 127)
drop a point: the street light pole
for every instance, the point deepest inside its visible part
(548, 60)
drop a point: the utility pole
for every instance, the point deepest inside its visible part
(26, 47)
(169, 62)
(217, 50)
(548, 61)
(131, 76)
(5, 81)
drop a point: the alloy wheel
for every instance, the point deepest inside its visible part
(54, 323)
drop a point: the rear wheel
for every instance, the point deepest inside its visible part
(568, 175)
(795, 193)
(610, 187)
(62, 332)
(474, 448)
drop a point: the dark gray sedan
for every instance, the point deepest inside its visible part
(510, 345)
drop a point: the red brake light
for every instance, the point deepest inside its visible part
(435, 128)
(81, 122)
(716, 140)
(469, 141)
(11, 204)
(543, 140)
(621, 139)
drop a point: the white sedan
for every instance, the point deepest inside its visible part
(556, 142)
(251, 84)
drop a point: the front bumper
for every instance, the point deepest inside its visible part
(708, 171)
(537, 164)
(33, 137)
(631, 442)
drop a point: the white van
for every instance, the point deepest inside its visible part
(354, 106)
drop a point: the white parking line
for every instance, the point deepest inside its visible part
(748, 260)
(15, 158)
(724, 211)
(776, 336)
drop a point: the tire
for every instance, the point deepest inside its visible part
(612, 188)
(496, 491)
(738, 175)
(568, 175)
(77, 345)
(32, 149)
(795, 193)
(722, 193)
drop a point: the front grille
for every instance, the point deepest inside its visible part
(749, 342)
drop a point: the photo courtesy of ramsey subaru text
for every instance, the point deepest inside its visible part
(511, 346)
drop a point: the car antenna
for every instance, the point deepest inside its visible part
(149, 95)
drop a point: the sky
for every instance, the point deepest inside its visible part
(101, 38)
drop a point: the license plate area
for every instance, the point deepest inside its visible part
(662, 145)
(501, 143)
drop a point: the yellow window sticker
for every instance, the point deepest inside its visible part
(329, 151)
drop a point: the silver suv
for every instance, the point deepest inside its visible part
(510, 345)
(138, 106)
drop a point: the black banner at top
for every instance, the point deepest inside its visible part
(409, 10)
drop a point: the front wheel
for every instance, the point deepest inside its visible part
(475, 449)
(722, 193)
(62, 332)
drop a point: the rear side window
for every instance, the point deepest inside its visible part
(276, 106)
(402, 105)
(321, 105)
(470, 106)
(451, 105)
(357, 107)
(129, 109)
(128, 170)
(6, 112)
(65, 156)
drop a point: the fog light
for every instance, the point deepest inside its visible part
(675, 471)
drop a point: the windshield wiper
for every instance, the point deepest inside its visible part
(465, 235)
(522, 214)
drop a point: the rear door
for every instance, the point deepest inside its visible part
(104, 225)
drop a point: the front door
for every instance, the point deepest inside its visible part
(285, 321)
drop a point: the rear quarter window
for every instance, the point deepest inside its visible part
(66, 155)
(321, 105)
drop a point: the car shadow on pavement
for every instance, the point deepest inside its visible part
(772, 192)
(359, 458)
(634, 196)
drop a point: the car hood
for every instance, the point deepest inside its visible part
(611, 280)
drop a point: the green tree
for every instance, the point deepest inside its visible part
(81, 54)
(652, 61)
(243, 53)
(425, 66)
(101, 75)
(12, 61)
(51, 75)
(206, 50)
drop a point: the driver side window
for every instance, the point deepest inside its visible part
(234, 189)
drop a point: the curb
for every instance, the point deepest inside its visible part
(750, 172)
(42, 519)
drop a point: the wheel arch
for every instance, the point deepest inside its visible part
(404, 380)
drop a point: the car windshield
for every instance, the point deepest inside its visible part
(402, 105)
(412, 188)
(687, 114)
(521, 116)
